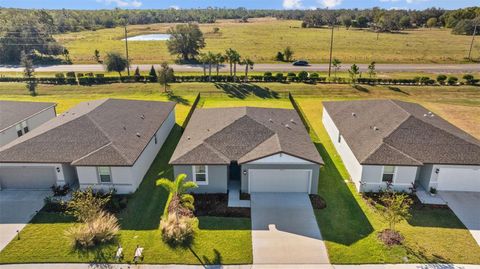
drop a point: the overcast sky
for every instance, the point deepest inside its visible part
(252, 4)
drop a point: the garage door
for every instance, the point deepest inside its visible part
(459, 179)
(278, 180)
(27, 177)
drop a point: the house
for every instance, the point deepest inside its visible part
(18, 118)
(263, 149)
(403, 143)
(107, 144)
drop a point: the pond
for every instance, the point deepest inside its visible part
(149, 37)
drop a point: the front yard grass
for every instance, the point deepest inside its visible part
(217, 240)
(350, 226)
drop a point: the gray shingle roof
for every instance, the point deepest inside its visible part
(243, 134)
(100, 132)
(13, 112)
(401, 133)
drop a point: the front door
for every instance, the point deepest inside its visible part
(234, 171)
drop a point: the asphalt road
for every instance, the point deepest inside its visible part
(429, 68)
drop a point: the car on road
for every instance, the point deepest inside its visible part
(301, 63)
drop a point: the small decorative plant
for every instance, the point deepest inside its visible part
(433, 191)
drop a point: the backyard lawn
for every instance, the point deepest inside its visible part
(348, 224)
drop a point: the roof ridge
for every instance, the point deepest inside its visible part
(274, 136)
(221, 155)
(403, 153)
(92, 152)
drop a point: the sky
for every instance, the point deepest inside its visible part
(250, 4)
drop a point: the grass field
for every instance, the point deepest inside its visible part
(348, 224)
(260, 39)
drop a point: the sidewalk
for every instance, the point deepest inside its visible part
(263, 266)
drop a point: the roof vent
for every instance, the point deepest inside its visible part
(353, 114)
(375, 128)
(138, 134)
(142, 117)
(124, 128)
(188, 137)
(270, 120)
(287, 126)
(292, 120)
(425, 115)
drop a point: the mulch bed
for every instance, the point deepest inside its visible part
(390, 237)
(317, 201)
(216, 205)
(244, 196)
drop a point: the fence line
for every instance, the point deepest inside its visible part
(303, 117)
(189, 115)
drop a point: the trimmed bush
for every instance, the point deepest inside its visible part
(452, 81)
(279, 77)
(441, 79)
(302, 76)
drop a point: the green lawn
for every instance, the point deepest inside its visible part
(260, 39)
(217, 240)
(350, 226)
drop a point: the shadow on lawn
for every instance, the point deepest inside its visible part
(146, 206)
(342, 221)
(425, 216)
(243, 90)
(177, 99)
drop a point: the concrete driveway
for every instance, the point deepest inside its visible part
(285, 231)
(466, 205)
(17, 208)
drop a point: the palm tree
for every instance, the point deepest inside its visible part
(248, 64)
(211, 58)
(219, 59)
(203, 60)
(178, 189)
(353, 72)
(336, 63)
(233, 58)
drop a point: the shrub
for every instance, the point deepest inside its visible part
(302, 76)
(441, 79)
(102, 229)
(177, 230)
(267, 76)
(292, 76)
(60, 77)
(152, 76)
(470, 79)
(279, 77)
(60, 190)
(70, 74)
(280, 57)
(452, 81)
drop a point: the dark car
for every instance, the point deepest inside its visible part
(301, 63)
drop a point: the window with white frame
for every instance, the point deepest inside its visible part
(388, 173)
(200, 174)
(21, 128)
(104, 174)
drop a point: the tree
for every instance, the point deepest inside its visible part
(353, 72)
(29, 73)
(203, 59)
(86, 205)
(336, 63)
(177, 189)
(280, 57)
(137, 75)
(115, 62)
(248, 65)
(185, 40)
(441, 79)
(66, 55)
(432, 22)
(469, 79)
(288, 53)
(96, 56)
(395, 207)
(347, 21)
(165, 75)
(219, 59)
(233, 58)
(371, 70)
(405, 22)
(303, 76)
(152, 75)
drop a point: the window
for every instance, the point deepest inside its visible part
(200, 174)
(25, 127)
(19, 130)
(388, 173)
(104, 174)
(339, 138)
(22, 128)
(155, 137)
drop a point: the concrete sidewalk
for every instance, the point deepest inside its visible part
(249, 266)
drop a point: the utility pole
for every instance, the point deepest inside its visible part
(126, 50)
(473, 40)
(331, 52)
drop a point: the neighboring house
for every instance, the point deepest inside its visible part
(106, 144)
(265, 149)
(383, 141)
(18, 118)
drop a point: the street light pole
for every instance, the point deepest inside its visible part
(331, 52)
(473, 40)
(126, 50)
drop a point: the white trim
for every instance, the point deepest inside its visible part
(194, 177)
(99, 180)
(280, 158)
(394, 179)
(310, 172)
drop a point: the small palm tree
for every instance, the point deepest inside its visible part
(178, 189)
(211, 59)
(219, 59)
(336, 63)
(248, 65)
(233, 58)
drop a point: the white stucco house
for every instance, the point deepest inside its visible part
(257, 149)
(403, 143)
(18, 118)
(107, 144)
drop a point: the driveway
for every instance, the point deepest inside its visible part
(285, 231)
(466, 205)
(16, 209)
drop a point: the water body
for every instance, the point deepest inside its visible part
(149, 37)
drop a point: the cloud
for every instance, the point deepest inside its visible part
(330, 3)
(174, 7)
(292, 4)
(416, 1)
(122, 3)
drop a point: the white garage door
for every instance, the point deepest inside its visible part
(459, 179)
(38, 177)
(279, 180)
